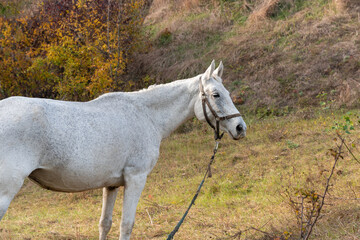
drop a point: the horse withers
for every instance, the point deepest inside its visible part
(108, 142)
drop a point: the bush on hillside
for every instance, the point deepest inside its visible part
(69, 49)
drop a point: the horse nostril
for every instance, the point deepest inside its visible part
(239, 128)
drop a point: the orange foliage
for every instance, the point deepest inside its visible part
(69, 49)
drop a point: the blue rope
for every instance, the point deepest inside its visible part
(171, 235)
(208, 171)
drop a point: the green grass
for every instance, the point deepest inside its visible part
(247, 189)
(196, 16)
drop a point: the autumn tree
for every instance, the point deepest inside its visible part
(69, 49)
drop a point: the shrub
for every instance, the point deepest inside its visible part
(69, 49)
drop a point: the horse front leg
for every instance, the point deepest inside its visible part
(11, 180)
(134, 184)
(109, 197)
(9, 186)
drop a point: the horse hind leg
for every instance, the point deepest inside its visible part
(109, 197)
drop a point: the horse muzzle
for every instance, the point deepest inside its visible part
(240, 132)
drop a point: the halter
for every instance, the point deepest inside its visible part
(216, 128)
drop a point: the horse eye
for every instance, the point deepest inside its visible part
(216, 95)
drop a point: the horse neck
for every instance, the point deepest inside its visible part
(171, 104)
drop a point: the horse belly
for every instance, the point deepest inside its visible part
(70, 181)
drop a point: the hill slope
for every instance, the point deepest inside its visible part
(278, 54)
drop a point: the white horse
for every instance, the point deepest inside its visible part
(108, 142)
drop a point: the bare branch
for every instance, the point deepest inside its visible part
(351, 153)
(318, 212)
(302, 218)
(108, 35)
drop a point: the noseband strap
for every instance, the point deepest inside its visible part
(205, 101)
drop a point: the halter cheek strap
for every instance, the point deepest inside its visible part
(205, 101)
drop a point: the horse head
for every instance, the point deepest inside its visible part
(215, 105)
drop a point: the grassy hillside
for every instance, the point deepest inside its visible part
(278, 54)
(253, 180)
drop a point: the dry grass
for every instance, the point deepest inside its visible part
(247, 189)
(291, 63)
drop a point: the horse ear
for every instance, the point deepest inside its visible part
(207, 75)
(219, 71)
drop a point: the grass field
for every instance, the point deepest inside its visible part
(278, 56)
(248, 187)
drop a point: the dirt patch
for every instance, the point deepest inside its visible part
(352, 6)
(264, 10)
(349, 92)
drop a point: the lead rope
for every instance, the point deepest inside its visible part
(207, 174)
